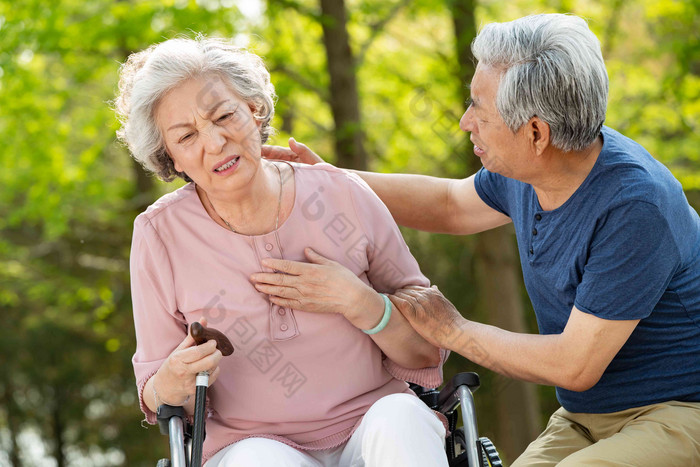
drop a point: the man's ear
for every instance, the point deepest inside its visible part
(539, 135)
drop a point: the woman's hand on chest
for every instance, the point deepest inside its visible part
(320, 286)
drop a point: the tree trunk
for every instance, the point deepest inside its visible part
(144, 185)
(612, 27)
(57, 425)
(343, 86)
(498, 285)
(498, 280)
(13, 420)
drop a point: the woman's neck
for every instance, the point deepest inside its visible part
(250, 210)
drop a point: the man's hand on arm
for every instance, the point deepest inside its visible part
(574, 359)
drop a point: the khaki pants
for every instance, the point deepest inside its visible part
(666, 434)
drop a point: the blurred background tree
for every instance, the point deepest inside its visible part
(366, 83)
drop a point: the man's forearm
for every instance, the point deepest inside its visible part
(535, 358)
(576, 359)
(417, 201)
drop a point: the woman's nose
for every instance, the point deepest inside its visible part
(214, 139)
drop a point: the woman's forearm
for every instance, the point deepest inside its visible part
(149, 398)
(398, 340)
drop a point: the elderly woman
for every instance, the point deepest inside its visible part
(318, 384)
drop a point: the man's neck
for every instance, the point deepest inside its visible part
(563, 173)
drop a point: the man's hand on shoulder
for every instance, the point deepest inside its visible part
(297, 152)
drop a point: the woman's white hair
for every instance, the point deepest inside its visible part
(553, 69)
(148, 75)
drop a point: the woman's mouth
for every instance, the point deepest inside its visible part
(228, 167)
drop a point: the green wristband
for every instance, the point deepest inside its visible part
(385, 319)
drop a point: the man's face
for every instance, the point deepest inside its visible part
(500, 150)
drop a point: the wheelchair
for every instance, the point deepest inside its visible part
(463, 446)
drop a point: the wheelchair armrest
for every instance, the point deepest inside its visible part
(471, 380)
(165, 413)
(428, 395)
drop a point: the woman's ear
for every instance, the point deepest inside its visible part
(253, 109)
(177, 166)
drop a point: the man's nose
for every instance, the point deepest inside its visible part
(466, 123)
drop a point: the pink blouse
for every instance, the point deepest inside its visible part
(305, 379)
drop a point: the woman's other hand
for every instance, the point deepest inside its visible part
(174, 381)
(297, 152)
(320, 286)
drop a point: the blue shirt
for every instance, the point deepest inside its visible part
(624, 246)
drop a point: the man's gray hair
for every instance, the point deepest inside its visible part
(553, 69)
(148, 75)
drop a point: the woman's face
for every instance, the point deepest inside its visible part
(210, 134)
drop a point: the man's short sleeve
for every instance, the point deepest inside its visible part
(491, 188)
(632, 259)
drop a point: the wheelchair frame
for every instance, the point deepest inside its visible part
(463, 446)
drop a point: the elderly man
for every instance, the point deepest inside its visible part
(609, 247)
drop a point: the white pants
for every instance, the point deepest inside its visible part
(398, 429)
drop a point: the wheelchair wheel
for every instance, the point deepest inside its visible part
(489, 454)
(163, 463)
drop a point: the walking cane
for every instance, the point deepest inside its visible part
(200, 334)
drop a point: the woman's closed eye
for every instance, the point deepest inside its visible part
(186, 137)
(224, 117)
(221, 119)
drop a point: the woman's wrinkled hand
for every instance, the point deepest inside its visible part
(320, 286)
(430, 314)
(297, 152)
(175, 380)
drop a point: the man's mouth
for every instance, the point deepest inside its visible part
(227, 165)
